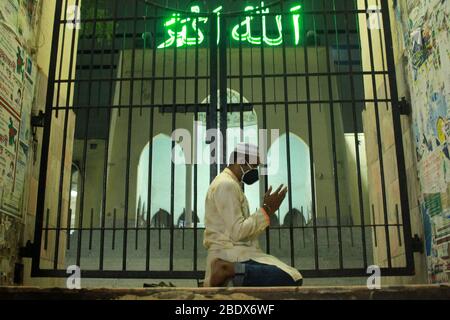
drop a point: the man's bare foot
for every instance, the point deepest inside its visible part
(221, 272)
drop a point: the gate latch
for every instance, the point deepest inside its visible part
(27, 251)
(38, 120)
(404, 106)
(417, 244)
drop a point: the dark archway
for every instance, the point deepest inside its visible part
(161, 219)
(181, 219)
(274, 222)
(298, 220)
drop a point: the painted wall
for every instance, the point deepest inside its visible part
(18, 80)
(36, 39)
(424, 43)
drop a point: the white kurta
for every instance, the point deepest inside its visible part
(231, 233)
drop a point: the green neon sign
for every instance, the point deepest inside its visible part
(176, 28)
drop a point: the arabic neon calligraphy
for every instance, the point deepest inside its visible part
(180, 37)
(246, 36)
(296, 20)
(176, 28)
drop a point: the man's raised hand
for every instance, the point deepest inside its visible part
(272, 201)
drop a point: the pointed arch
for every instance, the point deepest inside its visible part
(300, 188)
(161, 177)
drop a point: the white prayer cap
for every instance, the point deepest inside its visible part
(247, 148)
(244, 150)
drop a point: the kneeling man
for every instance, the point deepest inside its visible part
(231, 232)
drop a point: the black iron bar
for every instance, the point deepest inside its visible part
(330, 226)
(351, 226)
(398, 225)
(211, 114)
(383, 62)
(355, 129)
(196, 88)
(105, 160)
(136, 231)
(374, 225)
(47, 221)
(288, 151)
(227, 14)
(183, 227)
(114, 230)
(187, 160)
(398, 140)
(302, 221)
(279, 229)
(99, 95)
(91, 226)
(159, 232)
(64, 142)
(69, 221)
(232, 76)
(150, 152)
(334, 149)
(241, 91)
(121, 72)
(223, 93)
(327, 227)
(234, 106)
(274, 98)
(132, 274)
(85, 147)
(379, 144)
(311, 151)
(129, 136)
(164, 76)
(172, 164)
(317, 60)
(264, 123)
(61, 54)
(337, 46)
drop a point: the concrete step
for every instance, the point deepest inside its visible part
(414, 292)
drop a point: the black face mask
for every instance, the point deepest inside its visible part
(250, 176)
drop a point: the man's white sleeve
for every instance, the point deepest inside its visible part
(226, 198)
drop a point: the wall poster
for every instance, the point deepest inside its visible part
(428, 51)
(17, 82)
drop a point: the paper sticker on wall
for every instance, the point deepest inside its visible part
(429, 65)
(17, 83)
(20, 16)
(27, 101)
(9, 10)
(11, 72)
(9, 131)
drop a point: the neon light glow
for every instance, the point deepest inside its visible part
(296, 18)
(177, 28)
(181, 36)
(267, 40)
(247, 35)
(217, 11)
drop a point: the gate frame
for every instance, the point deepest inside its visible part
(218, 81)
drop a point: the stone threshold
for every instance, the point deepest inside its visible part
(409, 292)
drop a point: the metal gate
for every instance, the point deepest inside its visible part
(134, 84)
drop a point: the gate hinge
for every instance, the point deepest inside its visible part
(404, 106)
(38, 120)
(417, 244)
(27, 251)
